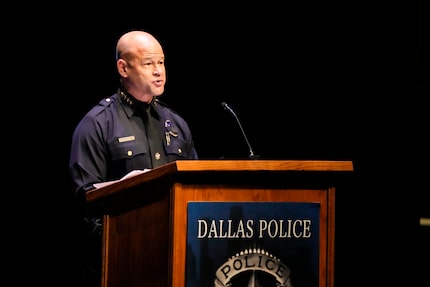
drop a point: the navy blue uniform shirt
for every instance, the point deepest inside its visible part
(111, 141)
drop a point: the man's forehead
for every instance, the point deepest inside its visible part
(151, 54)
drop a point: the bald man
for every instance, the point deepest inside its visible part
(130, 130)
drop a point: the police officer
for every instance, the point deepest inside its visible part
(130, 130)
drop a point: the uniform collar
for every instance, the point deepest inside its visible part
(136, 105)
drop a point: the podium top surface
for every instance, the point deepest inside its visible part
(262, 165)
(200, 166)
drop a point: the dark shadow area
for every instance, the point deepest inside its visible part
(325, 81)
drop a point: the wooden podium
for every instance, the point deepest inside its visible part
(145, 216)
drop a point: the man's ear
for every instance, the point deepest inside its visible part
(121, 66)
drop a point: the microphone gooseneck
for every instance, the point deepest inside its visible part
(230, 110)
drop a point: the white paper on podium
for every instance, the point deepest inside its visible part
(128, 175)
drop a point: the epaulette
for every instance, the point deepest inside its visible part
(106, 101)
(161, 103)
(102, 105)
(157, 101)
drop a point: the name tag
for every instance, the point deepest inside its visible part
(126, 139)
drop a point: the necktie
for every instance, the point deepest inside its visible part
(155, 137)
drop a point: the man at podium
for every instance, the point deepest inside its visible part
(132, 129)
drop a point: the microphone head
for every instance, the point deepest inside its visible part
(226, 107)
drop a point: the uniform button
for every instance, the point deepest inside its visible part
(157, 156)
(129, 153)
(179, 151)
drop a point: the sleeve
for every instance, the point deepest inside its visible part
(87, 163)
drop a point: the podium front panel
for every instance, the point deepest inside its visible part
(227, 261)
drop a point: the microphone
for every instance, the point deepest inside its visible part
(251, 152)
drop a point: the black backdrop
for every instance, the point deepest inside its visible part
(308, 81)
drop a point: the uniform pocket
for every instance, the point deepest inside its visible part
(127, 150)
(177, 149)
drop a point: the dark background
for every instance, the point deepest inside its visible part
(318, 80)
